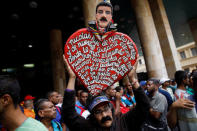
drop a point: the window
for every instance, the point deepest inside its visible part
(182, 54)
(194, 51)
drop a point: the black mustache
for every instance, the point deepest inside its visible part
(103, 19)
(104, 119)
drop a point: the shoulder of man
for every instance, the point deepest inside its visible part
(31, 124)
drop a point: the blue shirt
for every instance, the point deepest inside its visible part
(128, 100)
(56, 126)
(79, 110)
(58, 115)
(168, 97)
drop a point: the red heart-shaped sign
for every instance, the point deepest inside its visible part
(99, 64)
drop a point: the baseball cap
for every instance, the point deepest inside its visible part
(142, 83)
(98, 100)
(162, 80)
(29, 97)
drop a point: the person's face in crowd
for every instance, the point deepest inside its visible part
(83, 98)
(103, 16)
(166, 83)
(54, 98)
(111, 92)
(30, 103)
(186, 81)
(103, 115)
(129, 87)
(48, 110)
(60, 98)
(191, 81)
(78, 93)
(150, 87)
(121, 91)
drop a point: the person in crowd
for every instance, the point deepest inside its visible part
(11, 116)
(29, 106)
(53, 97)
(78, 92)
(129, 98)
(165, 83)
(143, 85)
(167, 92)
(182, 80)
(123, 107)
(46, 112)
(172, 115)
(60, 100)
(186, 118)
(167, 95)
(173, 85)
(102, 116)
(157, 114)
(189, 88)
(80, 105)
(113, 97)
(194, 86)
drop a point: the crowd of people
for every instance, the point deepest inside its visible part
(156, 104)
(153, 104)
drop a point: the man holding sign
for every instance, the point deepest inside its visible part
(102, 117)
(98, 55)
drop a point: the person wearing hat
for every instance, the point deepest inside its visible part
(102, 115)
(29, 106)
(165, 83)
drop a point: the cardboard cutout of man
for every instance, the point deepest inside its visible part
(99, 55)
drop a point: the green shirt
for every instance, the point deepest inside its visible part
(31, 124)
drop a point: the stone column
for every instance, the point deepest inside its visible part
(148, 36)
(166, 39)
(59, 80)
(89, 10)
(193, 27)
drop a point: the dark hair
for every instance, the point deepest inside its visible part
(49, 94)
(9, 85)
(39, 106)
(105, 4)
(118, 88)
(83, 91)
(180, 76)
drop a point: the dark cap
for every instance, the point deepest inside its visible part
(98, 100)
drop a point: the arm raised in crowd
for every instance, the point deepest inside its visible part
(172, 113)
(69, 115)
(134, 118)
(72, 76)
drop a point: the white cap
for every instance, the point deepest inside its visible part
(162, 80)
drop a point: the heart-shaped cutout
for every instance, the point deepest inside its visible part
(99, 64)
